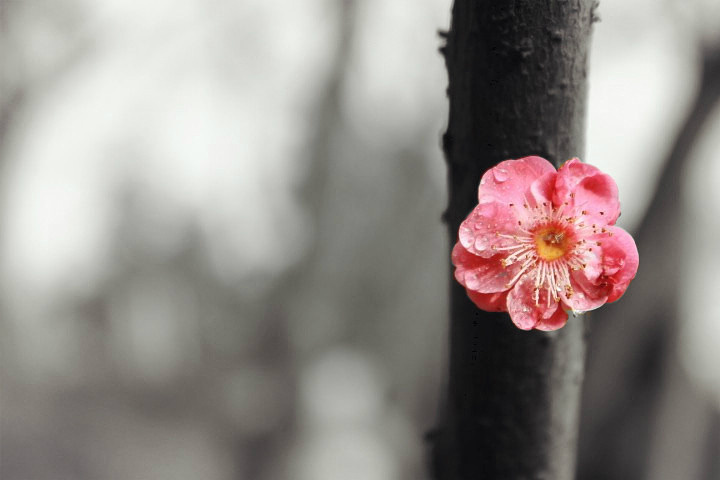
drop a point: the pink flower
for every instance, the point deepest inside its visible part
(542, 241)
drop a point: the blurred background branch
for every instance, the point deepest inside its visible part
(635, 393)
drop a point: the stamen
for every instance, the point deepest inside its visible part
(517, 256)
(546, 244)
(514, 237)
(540, 279)
(525, 266)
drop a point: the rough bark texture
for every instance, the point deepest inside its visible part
(517, 87)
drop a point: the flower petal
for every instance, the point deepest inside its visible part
(542, 188)
(510, 181)
(490, 302)
(592, 261)
(521, 306)
(480, 274)
(620, 261)
(479, 231)
(558, 320)
(503, 191)
(588, 191)
(586, 295)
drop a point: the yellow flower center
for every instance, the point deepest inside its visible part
(551, 243)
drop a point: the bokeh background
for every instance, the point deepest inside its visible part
(221, 252)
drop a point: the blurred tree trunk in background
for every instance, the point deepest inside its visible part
(642, 417)
(293, 285)
(517, 87)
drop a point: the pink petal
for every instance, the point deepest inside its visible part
(480, 274)
(479, 231)
(542, 189)
(592, 260)
(491, 302)
(589, 192)
(558, 320)
(510, 181)
(521, 304)
(503, 191)
(620, 261)
(587, 295)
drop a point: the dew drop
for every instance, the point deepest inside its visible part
(500, 175)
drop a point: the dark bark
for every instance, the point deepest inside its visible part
(517, 87)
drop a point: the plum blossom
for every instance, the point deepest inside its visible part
(542, 242)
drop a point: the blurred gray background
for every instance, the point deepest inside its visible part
(221, 251)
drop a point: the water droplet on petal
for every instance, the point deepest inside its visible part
(526, 310)
(500, 174)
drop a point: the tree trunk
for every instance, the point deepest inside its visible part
(517, 86)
